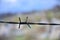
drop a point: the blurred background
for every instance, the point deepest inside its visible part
(38, 11)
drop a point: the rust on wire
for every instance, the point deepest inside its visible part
(28, 23)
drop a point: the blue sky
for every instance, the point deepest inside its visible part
(25, 5)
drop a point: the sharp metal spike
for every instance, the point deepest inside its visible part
(20, 21)
(29, 26)
(26, 21)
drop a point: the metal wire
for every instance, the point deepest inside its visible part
(28, 23)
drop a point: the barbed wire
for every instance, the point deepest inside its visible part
(28, 23)
(32, 23)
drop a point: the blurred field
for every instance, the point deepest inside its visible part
(19, 38)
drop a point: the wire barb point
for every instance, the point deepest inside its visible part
(27, 22)
(19, 21)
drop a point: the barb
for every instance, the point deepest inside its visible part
(28, 23)
(20, 21)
